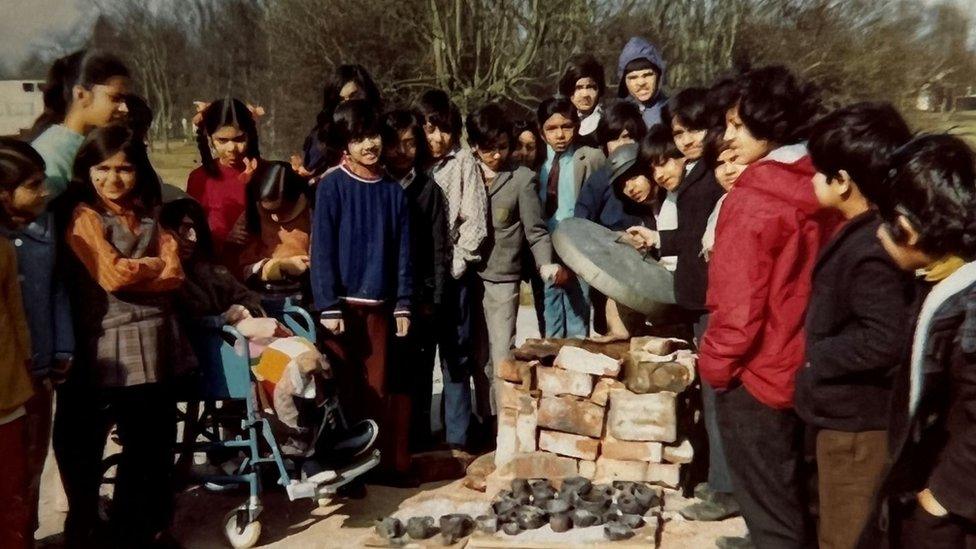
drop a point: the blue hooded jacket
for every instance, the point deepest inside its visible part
(638, 48)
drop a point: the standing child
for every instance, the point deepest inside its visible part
(856, 322)
(125, 269)
(584, 82)
(456, 173)
(361, 276)
(406, 157)
(928, 494)
(567, 165)
(529, 150)
(769, 234)
(22, 198)
(640, 71)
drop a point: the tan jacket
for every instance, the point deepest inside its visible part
(15, 383)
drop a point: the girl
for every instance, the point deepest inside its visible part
(277, 220)
(125, 269)
(529, 151)
(22, 198)
(227, 138)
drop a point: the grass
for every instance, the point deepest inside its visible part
(174, 166)
(962, 123)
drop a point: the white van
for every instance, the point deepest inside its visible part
(21, 102)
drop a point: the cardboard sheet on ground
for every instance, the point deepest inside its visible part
(615, 268)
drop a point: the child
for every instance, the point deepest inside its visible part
(768, 237)
(227, 137)
(361, 275)
(528, 150)
(583, 82)
(22, 198)
(278, 220)
(456, 173)
(567, 165)
(720, 158)
(640, 71)
(405, 156)
(927, 496)
(857, 318)
(516, 217)
(125, 270)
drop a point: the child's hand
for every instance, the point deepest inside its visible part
(402, 326)
(334, 325)
(154, 263)
(296, 164)
(563, 276)
(295, 266)
(643, 238)
(250, 164)
(235, 313)
(931, 505)
(238, 233)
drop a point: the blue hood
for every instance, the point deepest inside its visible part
(638, 48)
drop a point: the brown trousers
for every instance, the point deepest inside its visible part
(362, 364)
(849, 467)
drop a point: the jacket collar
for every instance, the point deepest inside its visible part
(501, 179)
(864, 221)
(697, 173)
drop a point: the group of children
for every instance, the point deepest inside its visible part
(823, 262)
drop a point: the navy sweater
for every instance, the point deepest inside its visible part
(360, 243)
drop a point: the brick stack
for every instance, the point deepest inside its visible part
(602, 411)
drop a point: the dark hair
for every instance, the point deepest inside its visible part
(644, 210)
(932, 181)
(352, 121)
(400, 120)
(556, 105)
(859, 139)
(713, 146)
(140, 116)
(690, 107)
(641, 64)
(82, 68)
(437, 109)
(18, 161)
(220, 113)
(582, 66)
(102, 144)
(343, 75)
(525, 125)
(722, 96)
(275, 180)
(775, 106)
(171, 216)
(618, 116)
(657, 146)
(487, 125)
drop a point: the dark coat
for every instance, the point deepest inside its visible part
(695, 198)
(857, 321)
(598, 203)
(429, 243)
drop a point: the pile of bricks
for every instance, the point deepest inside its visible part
(605, 412)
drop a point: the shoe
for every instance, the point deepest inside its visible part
(344, 447)
(719, 507)
(734, 542)
(703, 491)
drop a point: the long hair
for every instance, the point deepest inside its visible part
(18, 162)
(271, 181)
(82, 68)
(318, 152)
(220, 113)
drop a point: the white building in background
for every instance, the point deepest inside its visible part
(21, 102)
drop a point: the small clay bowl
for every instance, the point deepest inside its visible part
(560, 522)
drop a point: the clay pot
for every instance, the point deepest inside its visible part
(389, 528)
(560, 522)
(487, 523)
(595, 502)
(616, 531)
(584, 519)
(631, 521)
(555, 506)
(530, 518)
(455, 526)
(421, 527)
(511, 528)
(573, 487)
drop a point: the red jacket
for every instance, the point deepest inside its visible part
(769, 234)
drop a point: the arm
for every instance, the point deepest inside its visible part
(172, 276)
(738, 289)
(473, 216)
(534, 227)
(325, 264)
(404, 268)
(110, 270)
(871, 342)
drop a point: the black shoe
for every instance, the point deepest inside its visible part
(344, 447)
(734, 542)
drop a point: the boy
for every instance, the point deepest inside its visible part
(406, 156)
(516, 217)
(584, 83)
(928, 494)
(857, 318)
(361, 275)
(456, 173)
(640, 70)
(567, 165)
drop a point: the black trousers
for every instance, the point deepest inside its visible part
(921, 530)
(417, 352)
(763, 447)
(146, 426)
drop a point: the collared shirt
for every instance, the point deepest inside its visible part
(457, 174)
(566, 190)
(589, 123)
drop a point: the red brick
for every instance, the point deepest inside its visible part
(571, 415)
(566, 444)
(630, 450)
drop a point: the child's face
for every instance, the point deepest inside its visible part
(495, 156)
(728, 169)
(114, 178)
(400, 156)
(350, 91)
(525, 149)
(366, 151)
(104, 103)
(558, 132)
(638, 188)
(585, 95)
(229, 144)
(26, 201)
(440, 141)
(668, 174)
(642, 84)
(690, 142)
(186, 238)
(623, 139)
(900, 240)
(745, 146)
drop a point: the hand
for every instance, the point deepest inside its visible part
(402, 326)
(563, 276)
(643, 238)
(238, 233)
(295, 266)
(250, 164)
(235, 313)
(59, 370)
(926, 499)
(154, 263)
(334, 325)
(296, 164)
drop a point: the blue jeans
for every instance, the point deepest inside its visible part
(567, 309)
(719, 479)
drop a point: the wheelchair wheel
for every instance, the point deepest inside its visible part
(241, 536)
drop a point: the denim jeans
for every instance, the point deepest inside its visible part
(567, 309)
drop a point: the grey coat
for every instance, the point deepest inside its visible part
(586, 160)
(516, 217)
